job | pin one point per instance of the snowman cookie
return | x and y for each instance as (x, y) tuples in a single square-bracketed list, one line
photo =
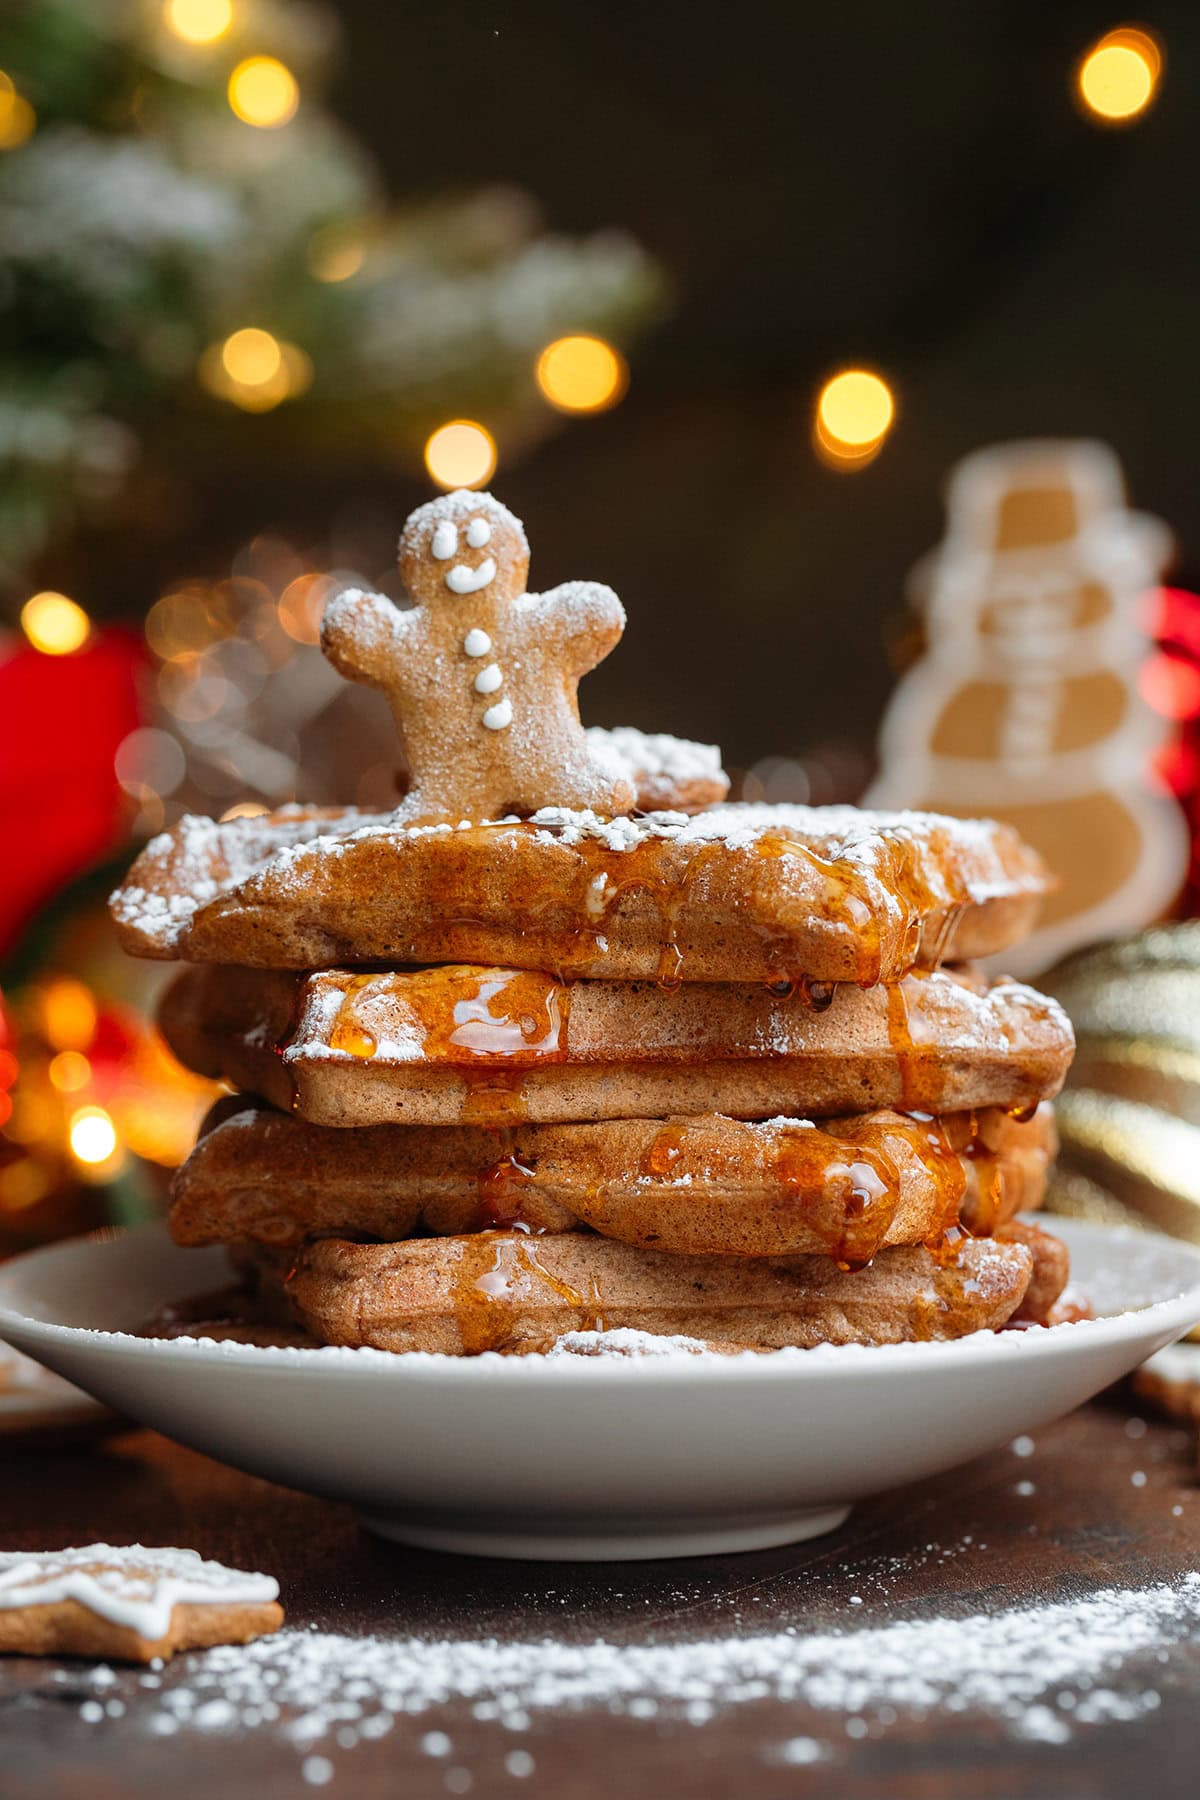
[(480, 675), (1025, 705)]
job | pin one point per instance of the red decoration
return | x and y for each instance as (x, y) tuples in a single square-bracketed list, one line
[(61, 721), (1170, 682)]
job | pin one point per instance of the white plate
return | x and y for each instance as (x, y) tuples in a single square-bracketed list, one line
[(598, 1457), (34, 1400)]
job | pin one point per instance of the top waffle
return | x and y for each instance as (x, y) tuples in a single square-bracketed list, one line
[(738, 893)]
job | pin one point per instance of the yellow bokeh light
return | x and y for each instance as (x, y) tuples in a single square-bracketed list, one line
[(199, 21), (67, 1013), (251, 356), (336, 252), (245, 809), (93, 1136), (581, 374), (263, 91), (69, 1071), (17, 117), (1118, 77), (54, 624), (855, 412), (255, 370), (461, 454)]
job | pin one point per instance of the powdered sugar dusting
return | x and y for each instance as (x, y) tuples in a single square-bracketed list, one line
[(625, 1342), (657, 758), (960, 859), (1040, 1673)]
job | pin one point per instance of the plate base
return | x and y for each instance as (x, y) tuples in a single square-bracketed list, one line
[(641, 1540)]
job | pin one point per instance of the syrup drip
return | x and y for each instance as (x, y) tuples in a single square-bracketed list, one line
[(348, 1033), (489, 1276), (918, 1066), (611, 875), (500, 1188), (665, 1150), (851, 1190)]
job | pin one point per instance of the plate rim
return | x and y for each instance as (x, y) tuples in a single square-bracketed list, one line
[(826, 1362)]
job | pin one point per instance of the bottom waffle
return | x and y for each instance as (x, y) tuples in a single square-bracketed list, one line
[(505, 1290), (698, 1186)]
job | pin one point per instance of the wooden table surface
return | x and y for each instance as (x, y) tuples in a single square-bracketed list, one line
[(975, 1541)]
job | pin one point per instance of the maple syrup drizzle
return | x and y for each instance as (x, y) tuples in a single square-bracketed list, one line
[(850, 1188), (348, 1034), (918, 1065), (487, 1297), (500, 1187)]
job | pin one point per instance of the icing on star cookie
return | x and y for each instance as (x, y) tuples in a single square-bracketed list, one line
[(128, 1601)]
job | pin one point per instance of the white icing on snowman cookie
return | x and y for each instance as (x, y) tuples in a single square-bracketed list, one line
[(129, 1586)]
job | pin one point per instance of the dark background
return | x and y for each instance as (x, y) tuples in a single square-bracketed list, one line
[(909, 186)]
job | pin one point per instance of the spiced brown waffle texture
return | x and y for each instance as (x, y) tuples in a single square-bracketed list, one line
[(512, 1066)]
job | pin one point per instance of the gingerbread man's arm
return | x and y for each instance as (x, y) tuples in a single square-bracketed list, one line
[(581, 620), (366, 638)]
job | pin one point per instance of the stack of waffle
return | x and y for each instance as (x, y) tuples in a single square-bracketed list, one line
[(722, 1073), (760, 1125)]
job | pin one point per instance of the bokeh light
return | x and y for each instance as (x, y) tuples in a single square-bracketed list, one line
[(255, 370), (581, 374), (1171, 685), (1119, 76), (263, 91), (251, 356), (199, 21), (67, 1013), (17, 117), (336, 252), (855, 411), (93, 1137), (461, 454), (54, 624), (69, 1071)]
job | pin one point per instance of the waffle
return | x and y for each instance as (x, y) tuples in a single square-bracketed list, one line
[(698, 1186), (496, 1290), (463, 1045), (737, 894)]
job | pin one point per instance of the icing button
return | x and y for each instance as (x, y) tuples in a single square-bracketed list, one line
[(476, 642), (489, 679), (497, 717)]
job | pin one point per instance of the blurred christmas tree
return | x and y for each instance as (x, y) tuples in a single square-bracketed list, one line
[(186, 233), (198, 268)]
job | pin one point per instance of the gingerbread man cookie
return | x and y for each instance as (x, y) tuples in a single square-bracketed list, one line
[(481, 676), (128, 1602)]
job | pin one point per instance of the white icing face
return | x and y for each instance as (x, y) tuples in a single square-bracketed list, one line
[(462, 580), (478, 533), (476, 642), (489, 679), (499, 717), (445, 540)]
